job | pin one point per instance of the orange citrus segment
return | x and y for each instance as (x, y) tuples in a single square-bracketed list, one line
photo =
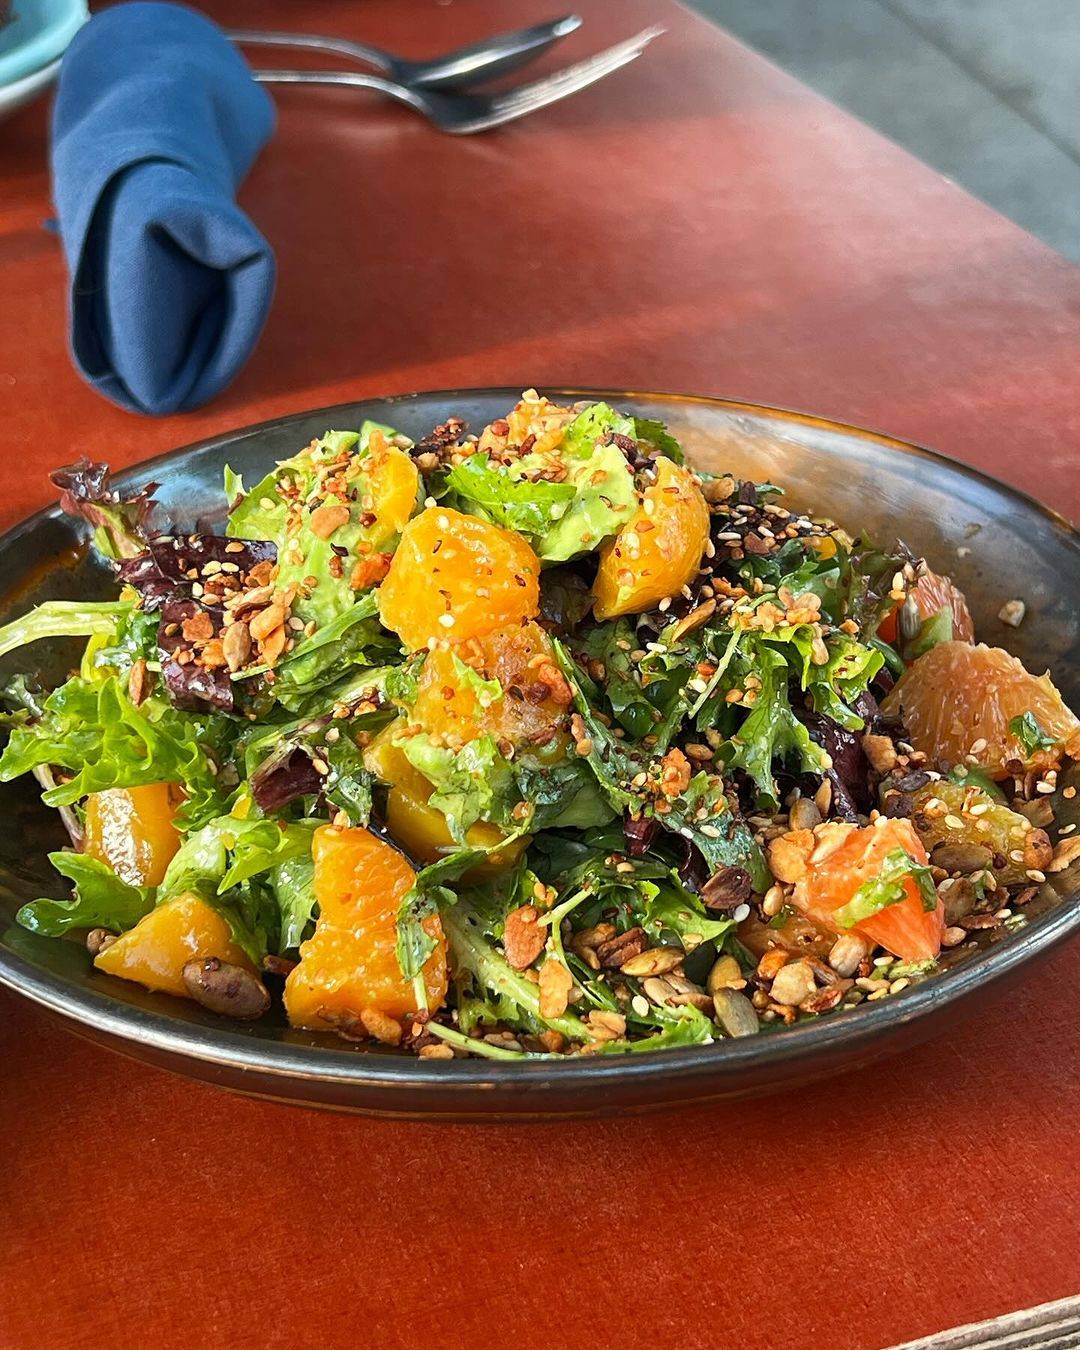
[(957, 701), (932, 593), (506, 684), (658, 551), (394, 485), (455, 577), (841, 860)]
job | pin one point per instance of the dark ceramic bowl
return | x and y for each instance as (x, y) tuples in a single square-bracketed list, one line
[(995, 541)]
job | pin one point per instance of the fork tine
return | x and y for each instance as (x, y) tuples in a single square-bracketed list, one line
[(527, 98)]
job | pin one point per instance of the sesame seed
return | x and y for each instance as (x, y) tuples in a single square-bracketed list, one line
[(1033, 874), (447, 620), (640, 1005), (741, 913)]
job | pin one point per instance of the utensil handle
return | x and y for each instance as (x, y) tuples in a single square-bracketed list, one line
[(353, 79), (358, 51)]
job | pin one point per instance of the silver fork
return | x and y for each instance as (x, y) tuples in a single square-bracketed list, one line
[(464, 114), (497, 55)]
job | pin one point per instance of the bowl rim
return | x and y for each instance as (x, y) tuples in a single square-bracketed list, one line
[(227, 1049)]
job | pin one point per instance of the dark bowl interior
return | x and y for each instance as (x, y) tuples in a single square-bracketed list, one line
[(997, 543)]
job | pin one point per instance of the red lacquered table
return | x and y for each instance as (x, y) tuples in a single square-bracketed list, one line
[(698, 223)]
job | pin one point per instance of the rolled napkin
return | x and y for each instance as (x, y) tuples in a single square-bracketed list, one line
[(157, 120)]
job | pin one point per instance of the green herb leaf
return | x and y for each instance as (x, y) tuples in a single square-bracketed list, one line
[(673, 909), (1030, 734), (102, 900), (293, 884), (656, 436), (887, 889), (63, 618), (722, 840), (95, 731), (471, 784), (474, 954), (531, 508)]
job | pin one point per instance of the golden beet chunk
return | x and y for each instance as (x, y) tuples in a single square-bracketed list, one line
[(156, 950), (348, 978), (422, 829), (131, 830), (455, 577), (658, 551)]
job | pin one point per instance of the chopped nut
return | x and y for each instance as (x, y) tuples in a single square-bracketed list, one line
[(821, 1000), (771, 963), (1067, 851), (789, 855), (606, 1026), (236, 645), (212, 655), (1038, 850), (792, 984), (555, 985), (656, 961), (324, 520), (675, 773), (847, 953), (436, 1050), (694, 619), (198, 628), (380, 1025), (1012, 612), (266, 621), (620, 948), (880, 751), (98, 939), (273, 646), (138, 683), (523, 936), (717, 489)]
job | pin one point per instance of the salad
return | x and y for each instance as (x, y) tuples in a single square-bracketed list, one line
[(528, 742)]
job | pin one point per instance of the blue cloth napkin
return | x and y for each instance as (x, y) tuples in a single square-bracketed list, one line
[(157, 120)]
